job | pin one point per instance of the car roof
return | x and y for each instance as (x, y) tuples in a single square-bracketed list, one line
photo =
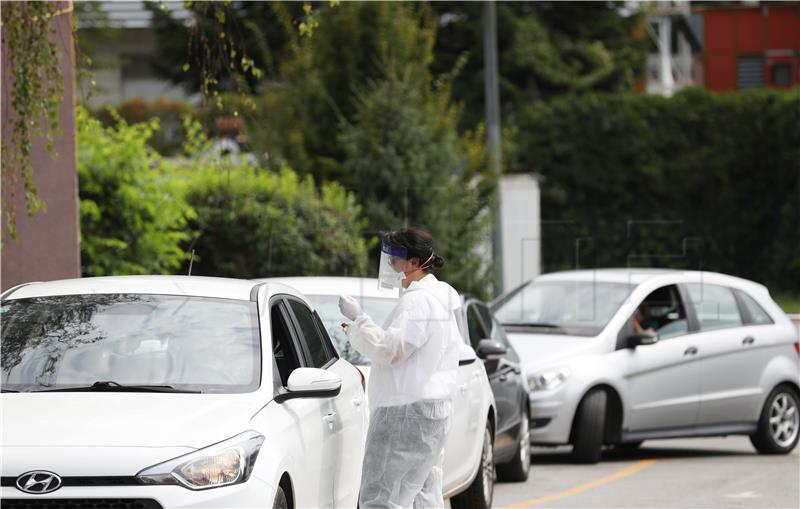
[(616, 275), (198, 286), (639, 276), (327, 285)]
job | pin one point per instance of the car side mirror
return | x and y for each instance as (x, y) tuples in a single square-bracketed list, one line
[(311, 383), (490, 350), (642, 339)]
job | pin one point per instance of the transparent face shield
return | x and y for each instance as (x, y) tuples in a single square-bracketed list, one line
[(390, 269)]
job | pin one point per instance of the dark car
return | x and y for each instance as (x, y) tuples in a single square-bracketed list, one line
[(512, 442)]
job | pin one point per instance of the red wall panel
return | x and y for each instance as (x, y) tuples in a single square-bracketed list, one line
[(749, 36), (784, 27), (719, 31), (721, 72)]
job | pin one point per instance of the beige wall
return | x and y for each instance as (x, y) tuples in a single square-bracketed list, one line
[(47, 245)]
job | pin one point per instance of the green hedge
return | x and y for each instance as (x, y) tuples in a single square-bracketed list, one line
[(696, 181), (142, 214), (255, 223)]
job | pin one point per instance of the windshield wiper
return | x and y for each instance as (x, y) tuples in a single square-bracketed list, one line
[(110, 386), (8, 390)]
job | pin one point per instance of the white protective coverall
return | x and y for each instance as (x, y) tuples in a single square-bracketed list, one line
[(411, 386)]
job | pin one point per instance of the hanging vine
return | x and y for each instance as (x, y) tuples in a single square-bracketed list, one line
[(35, 84)]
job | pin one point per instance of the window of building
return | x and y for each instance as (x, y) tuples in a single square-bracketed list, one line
[(781, 74), (750, 72)]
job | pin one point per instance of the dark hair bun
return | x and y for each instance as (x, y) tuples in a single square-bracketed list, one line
[(437, 262)]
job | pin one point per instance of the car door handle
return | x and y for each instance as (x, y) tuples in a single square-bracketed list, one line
[(503, 377), (749, 340), (356, 400), (328, 419), (691, 351)]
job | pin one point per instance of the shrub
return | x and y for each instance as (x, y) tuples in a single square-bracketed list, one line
[(256, 223), (132, 221)]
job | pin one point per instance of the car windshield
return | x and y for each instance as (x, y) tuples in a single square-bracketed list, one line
[(579, 308), (378, 308), (195, 344)]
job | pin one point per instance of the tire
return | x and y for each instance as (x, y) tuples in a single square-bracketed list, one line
[(590, 419), (280, 500), (779, 424), (480, 492), (518, 468)]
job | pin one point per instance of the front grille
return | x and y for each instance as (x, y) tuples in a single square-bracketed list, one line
[(81, 503), (85, 481)]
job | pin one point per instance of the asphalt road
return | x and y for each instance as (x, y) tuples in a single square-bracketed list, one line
[(690, 473)]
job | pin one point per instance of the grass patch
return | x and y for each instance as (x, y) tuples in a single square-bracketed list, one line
[(789, 303)]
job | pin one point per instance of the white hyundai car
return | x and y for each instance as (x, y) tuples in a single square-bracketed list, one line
[(469, 464), (619, 356), (173, 391)]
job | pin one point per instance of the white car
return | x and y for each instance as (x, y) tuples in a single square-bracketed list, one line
[(174, 391), (469, 467), (619, 356)]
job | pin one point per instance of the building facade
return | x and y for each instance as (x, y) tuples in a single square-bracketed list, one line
[(749, 46)]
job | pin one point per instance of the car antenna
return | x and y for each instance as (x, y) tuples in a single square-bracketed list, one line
[(191, 260)]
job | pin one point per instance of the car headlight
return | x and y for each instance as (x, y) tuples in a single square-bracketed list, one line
[(222, 464), (548, 380)]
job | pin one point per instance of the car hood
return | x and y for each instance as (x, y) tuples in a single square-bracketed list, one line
[(112, 419), (537, 351)]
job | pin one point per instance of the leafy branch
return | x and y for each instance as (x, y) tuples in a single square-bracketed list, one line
[(37, 87)]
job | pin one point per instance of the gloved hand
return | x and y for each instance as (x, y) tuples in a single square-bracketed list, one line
[(350, 307)]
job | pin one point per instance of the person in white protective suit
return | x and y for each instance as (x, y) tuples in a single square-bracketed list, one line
[(414, 367)]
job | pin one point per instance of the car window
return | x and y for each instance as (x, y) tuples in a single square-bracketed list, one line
[(580, 308), (662, 312), (477, 331), (191, 343), (378, 308), (496, 332), (283, 349), (757, 314), (312, 336), (715, 306)]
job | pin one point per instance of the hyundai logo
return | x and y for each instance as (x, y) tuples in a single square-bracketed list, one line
[(38, 482)]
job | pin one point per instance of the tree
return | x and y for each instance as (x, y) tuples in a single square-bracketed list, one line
[(545, 49), (221, 34), (413, 170)]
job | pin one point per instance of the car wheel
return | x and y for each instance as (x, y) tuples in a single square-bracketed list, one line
[(517, 469), (779, 425), (280, 500), (589, 427), (480, 492)]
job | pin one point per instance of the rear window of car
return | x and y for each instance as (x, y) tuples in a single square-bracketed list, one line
[(757, 315), (190, 343)]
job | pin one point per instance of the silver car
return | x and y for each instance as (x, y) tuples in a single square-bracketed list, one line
[(619, 356)]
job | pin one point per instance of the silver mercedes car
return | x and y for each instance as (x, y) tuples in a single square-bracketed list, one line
[(618, 356)]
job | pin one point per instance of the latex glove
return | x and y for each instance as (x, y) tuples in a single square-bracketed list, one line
[(350, 307)]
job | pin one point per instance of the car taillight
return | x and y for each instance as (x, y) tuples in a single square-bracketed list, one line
[(364, 380), (796, 349)]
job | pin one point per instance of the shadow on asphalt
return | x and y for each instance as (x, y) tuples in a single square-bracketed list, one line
[(563, 456)]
